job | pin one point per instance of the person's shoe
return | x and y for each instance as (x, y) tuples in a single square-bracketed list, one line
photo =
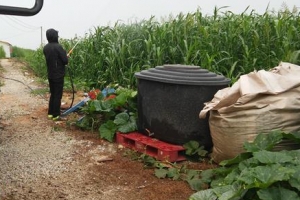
[(56, 118), (50, 116), (59, 118)]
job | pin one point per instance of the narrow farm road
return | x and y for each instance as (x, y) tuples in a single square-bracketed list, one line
[(43, 160)]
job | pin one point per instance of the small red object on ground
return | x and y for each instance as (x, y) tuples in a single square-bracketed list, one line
[(160, 150)]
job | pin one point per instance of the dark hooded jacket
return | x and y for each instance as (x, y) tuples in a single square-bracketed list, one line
[(56, 56)]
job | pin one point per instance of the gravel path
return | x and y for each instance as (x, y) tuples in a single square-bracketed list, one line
[(44, 160), (33, 150)]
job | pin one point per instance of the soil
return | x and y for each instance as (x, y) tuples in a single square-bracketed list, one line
[(41, 159)]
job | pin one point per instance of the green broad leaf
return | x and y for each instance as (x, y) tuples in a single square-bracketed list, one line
[(204, 195), (295, 180), (249, 163), (90, 107), (230, 195), (191, 174), (221, 190), (268, 157), (108, 130), (183, 169), (161, 173), (236, 160), (172, 172), (251, 194), (247, 177), (231, 177), (96, 105), (292, 136), (264, 141), (99, 106), (277, 193), (148, 160), (219, 176), (125, 126), (223, 171), (133, 94), (121, 99), (264, 176), (234, 191), (121, 118), (202, 152), (295, 154), (106, 106), (207, 175), (217, 182), (191, 147), (197, 184), (176, 176)]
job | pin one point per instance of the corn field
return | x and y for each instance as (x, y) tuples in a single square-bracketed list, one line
[(225, 43)]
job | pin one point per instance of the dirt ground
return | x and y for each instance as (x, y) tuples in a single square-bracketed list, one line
[(41, 159)]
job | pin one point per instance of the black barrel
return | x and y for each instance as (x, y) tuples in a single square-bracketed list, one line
[(170, 98)]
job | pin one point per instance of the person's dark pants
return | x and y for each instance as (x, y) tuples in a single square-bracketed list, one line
[(56, 91)]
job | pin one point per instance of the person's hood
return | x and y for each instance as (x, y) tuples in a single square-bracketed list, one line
[(52, 35)]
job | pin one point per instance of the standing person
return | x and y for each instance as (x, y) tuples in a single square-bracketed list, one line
[(56, 61)]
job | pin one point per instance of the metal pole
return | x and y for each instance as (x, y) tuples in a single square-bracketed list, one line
[(41, 36)]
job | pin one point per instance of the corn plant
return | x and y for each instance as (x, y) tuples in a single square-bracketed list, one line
[(225, 43)]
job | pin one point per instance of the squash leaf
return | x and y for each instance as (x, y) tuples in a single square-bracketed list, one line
[(268, 157), (204, 195), (161, 173), (125, 123), (264, 141), (108, 130), (277, 193)]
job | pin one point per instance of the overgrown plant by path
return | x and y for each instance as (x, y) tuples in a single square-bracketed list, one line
[(111, 113), (2, 52), (173, 170), (259, 173)]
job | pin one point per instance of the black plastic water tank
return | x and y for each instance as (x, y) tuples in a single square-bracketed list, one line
[(170, 98)]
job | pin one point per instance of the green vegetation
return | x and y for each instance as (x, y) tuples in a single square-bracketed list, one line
[(2, 52), (21, 53), (111, 113), (1, 81), (259, 173), (37, 62), (18, 52), (224, 43)]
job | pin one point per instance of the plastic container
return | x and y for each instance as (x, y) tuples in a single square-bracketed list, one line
[(170, 98)]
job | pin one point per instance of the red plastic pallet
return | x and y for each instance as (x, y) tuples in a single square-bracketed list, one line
[(151, 146)]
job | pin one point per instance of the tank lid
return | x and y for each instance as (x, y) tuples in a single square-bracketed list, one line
[(182, 74)]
